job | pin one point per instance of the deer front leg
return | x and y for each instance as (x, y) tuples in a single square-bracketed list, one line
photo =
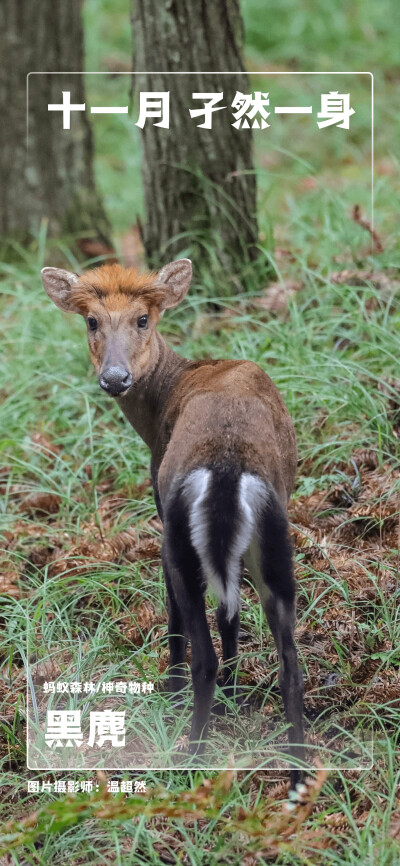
[(281, 615), (229, 630), (186, 584), (176, 636)]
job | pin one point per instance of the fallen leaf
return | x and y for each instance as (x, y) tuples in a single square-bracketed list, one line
[(41, 503), (275, 297), (132, 249), (92, 248), (8, 584), (43, 443)]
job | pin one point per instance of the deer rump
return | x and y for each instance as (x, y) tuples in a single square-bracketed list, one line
[(214, 517)]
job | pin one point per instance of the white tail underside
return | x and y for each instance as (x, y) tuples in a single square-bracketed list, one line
[(252, 495)]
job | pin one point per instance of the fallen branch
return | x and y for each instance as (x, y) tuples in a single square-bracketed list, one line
[(377, 245)]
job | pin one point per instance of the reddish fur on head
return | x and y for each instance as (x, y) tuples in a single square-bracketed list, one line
[(116, 300), (115, 287)]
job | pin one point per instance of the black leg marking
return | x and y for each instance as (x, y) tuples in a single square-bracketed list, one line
[(154, 480), (204, 674), (187, 582), (176, 636), (281, 618), (279, 606), (229, 631), (204, 660)]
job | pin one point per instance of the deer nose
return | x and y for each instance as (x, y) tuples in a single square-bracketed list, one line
[(115, 380)]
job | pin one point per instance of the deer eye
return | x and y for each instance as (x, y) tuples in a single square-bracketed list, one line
[(142, 322), (92, 323)]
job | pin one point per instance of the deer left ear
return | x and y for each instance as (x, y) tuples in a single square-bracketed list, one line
[(58, 284), (174, 279)]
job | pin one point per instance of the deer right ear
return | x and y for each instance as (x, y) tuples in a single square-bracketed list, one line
[(174, 280), (58, 284)]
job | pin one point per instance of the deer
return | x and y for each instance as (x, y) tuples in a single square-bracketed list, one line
[(223, 465)]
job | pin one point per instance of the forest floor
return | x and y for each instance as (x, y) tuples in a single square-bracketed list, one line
[(80, 539)]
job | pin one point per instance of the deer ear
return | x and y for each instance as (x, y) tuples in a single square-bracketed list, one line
[(58, 284), (174, 279)]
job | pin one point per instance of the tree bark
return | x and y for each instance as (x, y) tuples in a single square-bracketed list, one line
[(54, 179), (199, 185)]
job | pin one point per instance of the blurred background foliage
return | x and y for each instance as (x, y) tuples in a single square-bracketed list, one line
[(292, 153), (327, 332)]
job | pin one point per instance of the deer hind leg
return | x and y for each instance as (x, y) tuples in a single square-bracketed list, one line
[(270, 562), (281, 615), (177, 639), (204, 662), (229, 630), (188, 586), (222, 503)]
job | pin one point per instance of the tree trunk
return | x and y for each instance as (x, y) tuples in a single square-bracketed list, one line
[(54, 179), (199, 189)]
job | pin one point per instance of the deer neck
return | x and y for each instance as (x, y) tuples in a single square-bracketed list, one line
[(145, 402)]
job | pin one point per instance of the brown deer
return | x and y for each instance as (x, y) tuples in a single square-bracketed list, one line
[(223, 466)]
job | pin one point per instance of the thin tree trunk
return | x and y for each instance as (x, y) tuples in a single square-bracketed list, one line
[(199, 189), (55, 178)]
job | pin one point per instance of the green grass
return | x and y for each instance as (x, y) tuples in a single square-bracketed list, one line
[(331, 353), (62, 402)]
